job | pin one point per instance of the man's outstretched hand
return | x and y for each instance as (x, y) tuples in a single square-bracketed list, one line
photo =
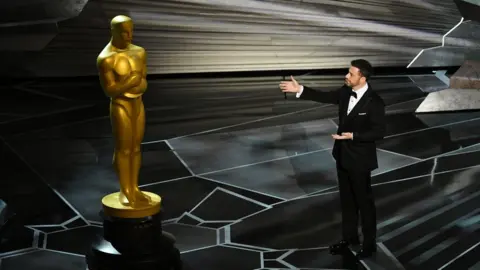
[(290, 86), (344, 136)]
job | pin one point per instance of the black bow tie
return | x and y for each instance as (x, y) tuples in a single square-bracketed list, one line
[(352, 93)]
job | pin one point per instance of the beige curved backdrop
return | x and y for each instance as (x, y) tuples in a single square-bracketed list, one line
[(187, 36)]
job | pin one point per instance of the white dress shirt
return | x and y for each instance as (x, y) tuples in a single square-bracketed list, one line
[(353, 101)]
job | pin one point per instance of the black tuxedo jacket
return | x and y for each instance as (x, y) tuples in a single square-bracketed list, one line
[(366, 121)]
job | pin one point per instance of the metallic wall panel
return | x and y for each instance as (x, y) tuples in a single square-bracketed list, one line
[(462, 43), (428, 83), (444, 56), (459, 44), (449, 100), (30, 25), (466, 34), (38, 11), (463, 94), (186, 36), (467, 76), (27, 37), (469, 9)]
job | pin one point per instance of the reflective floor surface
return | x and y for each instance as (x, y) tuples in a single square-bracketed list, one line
[(246, 176)]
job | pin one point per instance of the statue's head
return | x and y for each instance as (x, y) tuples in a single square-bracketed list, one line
[(122, 30)]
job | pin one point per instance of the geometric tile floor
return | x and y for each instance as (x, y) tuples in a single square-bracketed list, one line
[(246, 177)]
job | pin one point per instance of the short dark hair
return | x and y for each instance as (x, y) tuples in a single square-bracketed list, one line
[(364, 66)]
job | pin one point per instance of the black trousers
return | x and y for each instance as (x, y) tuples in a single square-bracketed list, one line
[(356, 200)]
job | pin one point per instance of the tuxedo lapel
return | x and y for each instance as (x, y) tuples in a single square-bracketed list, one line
[(344, 108)]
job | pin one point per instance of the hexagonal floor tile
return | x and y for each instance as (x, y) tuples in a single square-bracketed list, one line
[(44, 260), (76, 240)]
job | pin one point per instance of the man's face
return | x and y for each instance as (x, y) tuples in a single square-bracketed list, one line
[(354, 77)]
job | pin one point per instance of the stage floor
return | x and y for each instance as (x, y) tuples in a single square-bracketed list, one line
[(246, 176)]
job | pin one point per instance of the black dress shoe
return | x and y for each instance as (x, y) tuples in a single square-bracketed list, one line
[(366, 252), (342, 246)]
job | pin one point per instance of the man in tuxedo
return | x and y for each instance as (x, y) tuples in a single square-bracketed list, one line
[(361, 123)]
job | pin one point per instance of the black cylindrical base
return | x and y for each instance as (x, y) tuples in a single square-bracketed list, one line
[(129, 244)]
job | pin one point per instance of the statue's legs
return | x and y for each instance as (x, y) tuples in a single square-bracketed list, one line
[(122, 135), (136, 160)]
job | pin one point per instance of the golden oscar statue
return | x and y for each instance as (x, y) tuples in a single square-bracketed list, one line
[(132, 223), (122, 71)]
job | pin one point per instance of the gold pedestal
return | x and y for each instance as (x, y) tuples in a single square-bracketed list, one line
[(114, 208)]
